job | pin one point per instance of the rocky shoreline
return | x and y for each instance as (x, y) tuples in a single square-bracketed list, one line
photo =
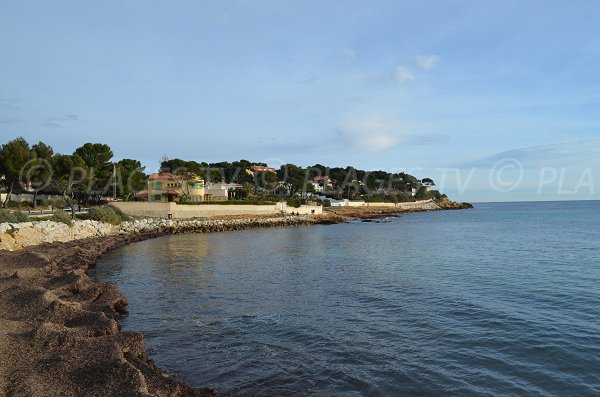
[(59, 329), (335, 215), (59, 332)]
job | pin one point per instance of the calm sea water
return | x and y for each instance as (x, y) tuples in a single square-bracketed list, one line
[(501, 300)]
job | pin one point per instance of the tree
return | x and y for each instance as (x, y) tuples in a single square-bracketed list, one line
[(173, 165), (14, 155), (70, 175), (293, 175), (188, 181), (423, 194), (97, 158), (41, 170), (130, 176), (427, 182), (266, 181)]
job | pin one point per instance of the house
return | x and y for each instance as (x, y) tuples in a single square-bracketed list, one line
[(167, 187), (220, 191), (255, 169), (322, 184), (142, 195)]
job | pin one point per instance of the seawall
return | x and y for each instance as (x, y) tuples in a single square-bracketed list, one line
[(186, 211)]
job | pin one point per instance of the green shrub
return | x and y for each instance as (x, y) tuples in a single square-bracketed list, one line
[(294, 202), (124, 216), (42, 203), (62, 217), (107, 214), (12, 217)]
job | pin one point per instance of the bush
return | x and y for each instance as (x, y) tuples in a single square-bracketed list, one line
[(294, 202), (124, 217), (12, 217), (107, 214), (62, 217)]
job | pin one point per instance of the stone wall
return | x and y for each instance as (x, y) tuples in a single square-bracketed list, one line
[(420, 204), (182, 211), (28, 197)]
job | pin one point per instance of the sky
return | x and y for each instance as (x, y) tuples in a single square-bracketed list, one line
[(494, 100)]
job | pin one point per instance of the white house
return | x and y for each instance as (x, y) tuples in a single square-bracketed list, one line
[(219, 191), (322, 184)]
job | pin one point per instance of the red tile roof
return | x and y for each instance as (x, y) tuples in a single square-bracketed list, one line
[(161, 176), (260, 168)]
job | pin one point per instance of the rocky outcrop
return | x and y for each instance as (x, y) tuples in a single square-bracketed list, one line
[(18, 235), (446, 204)]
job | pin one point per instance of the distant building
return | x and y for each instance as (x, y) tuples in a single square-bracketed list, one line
[(220, 191), (167, 187), (322, 184), (142, 195), (255, 169)]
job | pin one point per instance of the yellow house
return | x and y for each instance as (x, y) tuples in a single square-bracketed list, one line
[(166, 187)]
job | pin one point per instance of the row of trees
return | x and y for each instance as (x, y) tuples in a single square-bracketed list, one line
[(90, 173), (86, 174), (293, 180)]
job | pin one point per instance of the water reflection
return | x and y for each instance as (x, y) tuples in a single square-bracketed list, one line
[(449, 303)]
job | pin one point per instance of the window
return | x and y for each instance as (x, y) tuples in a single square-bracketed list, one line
[(157, 197), (157, 185)]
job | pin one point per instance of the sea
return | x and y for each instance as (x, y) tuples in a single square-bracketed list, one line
[(499, 300)]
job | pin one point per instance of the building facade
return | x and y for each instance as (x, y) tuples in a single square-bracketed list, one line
[(220, 191), (166, 187)]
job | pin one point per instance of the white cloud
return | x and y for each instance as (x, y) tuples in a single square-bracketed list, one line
[(402, 74), (427, 62), (368, 134)]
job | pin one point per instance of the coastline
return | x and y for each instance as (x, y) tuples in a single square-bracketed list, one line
[(59, 327)]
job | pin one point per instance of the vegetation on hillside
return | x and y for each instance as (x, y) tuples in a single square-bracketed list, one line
[(89, 175)]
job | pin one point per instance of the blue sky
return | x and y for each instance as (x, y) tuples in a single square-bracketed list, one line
[(445, 89)]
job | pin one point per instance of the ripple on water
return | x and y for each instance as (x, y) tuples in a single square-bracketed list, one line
[(486, 302)]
